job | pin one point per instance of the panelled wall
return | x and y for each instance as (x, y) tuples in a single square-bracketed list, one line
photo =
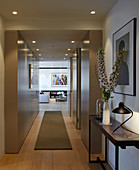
[(90, 90), (95, 38), (21, 102), (77, 88), (1, 87), (69, 88), (85, 92)]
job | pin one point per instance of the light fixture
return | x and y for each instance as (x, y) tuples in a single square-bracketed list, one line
[(37, 49), (20, 42), (64, 58), (39, 54), (93, 12), (24, 49), (84, 49), (86, 42), (75, 55), (31, 55), (14, 12), (72, 42), (41, 58), (68, 49), (122, 109), (33, 42), (66, 54)]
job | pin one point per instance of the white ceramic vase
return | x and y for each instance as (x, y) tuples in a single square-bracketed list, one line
[(106, 114)]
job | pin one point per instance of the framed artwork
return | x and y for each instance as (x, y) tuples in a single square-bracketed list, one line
[(30, 76), (125, 39), (59, 79)]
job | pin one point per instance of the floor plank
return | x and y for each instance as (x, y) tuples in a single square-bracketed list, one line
[(30, 159)]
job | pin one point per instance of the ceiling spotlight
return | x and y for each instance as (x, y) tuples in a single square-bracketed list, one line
[(39, 54), (14, 12), (93, 12), (33, 42), (37, 49), (41, 58), (66, 54), (72, 42), (68, 49)]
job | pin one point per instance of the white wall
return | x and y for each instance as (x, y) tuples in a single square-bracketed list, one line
[(45, 79), (58, 63), (121, 13), (45, 74), (1, 87)]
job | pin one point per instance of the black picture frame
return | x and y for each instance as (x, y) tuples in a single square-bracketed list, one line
[(125, 38)]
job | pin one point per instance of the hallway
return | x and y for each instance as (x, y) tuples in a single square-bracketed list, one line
[(30, 159), (57, 31)]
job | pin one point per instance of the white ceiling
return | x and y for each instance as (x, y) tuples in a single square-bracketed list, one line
[(53, 14), (54, 9), (53, 44)]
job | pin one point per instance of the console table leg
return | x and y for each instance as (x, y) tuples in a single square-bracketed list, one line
[(106, 150), (116, 157), (89, 141)]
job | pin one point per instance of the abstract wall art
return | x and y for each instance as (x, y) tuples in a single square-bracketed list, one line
[(59, 79)]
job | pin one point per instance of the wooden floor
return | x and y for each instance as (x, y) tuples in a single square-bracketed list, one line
[(30, 159)]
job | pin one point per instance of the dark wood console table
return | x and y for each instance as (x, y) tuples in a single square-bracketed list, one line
[(121, 138)]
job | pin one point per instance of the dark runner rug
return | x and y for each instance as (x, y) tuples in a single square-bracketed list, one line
[(53, 134)]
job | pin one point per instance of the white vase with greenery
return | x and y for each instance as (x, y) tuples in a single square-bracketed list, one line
[(106, 85)]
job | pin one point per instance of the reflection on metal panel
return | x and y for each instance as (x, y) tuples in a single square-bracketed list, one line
[(77, 88)]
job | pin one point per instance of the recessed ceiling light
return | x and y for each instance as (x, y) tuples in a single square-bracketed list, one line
[(33, 42), (37, 49), (93, 12), (39, 54), (66, 54), (68, 49), (72, 42), (41, 58), (14, 12)]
